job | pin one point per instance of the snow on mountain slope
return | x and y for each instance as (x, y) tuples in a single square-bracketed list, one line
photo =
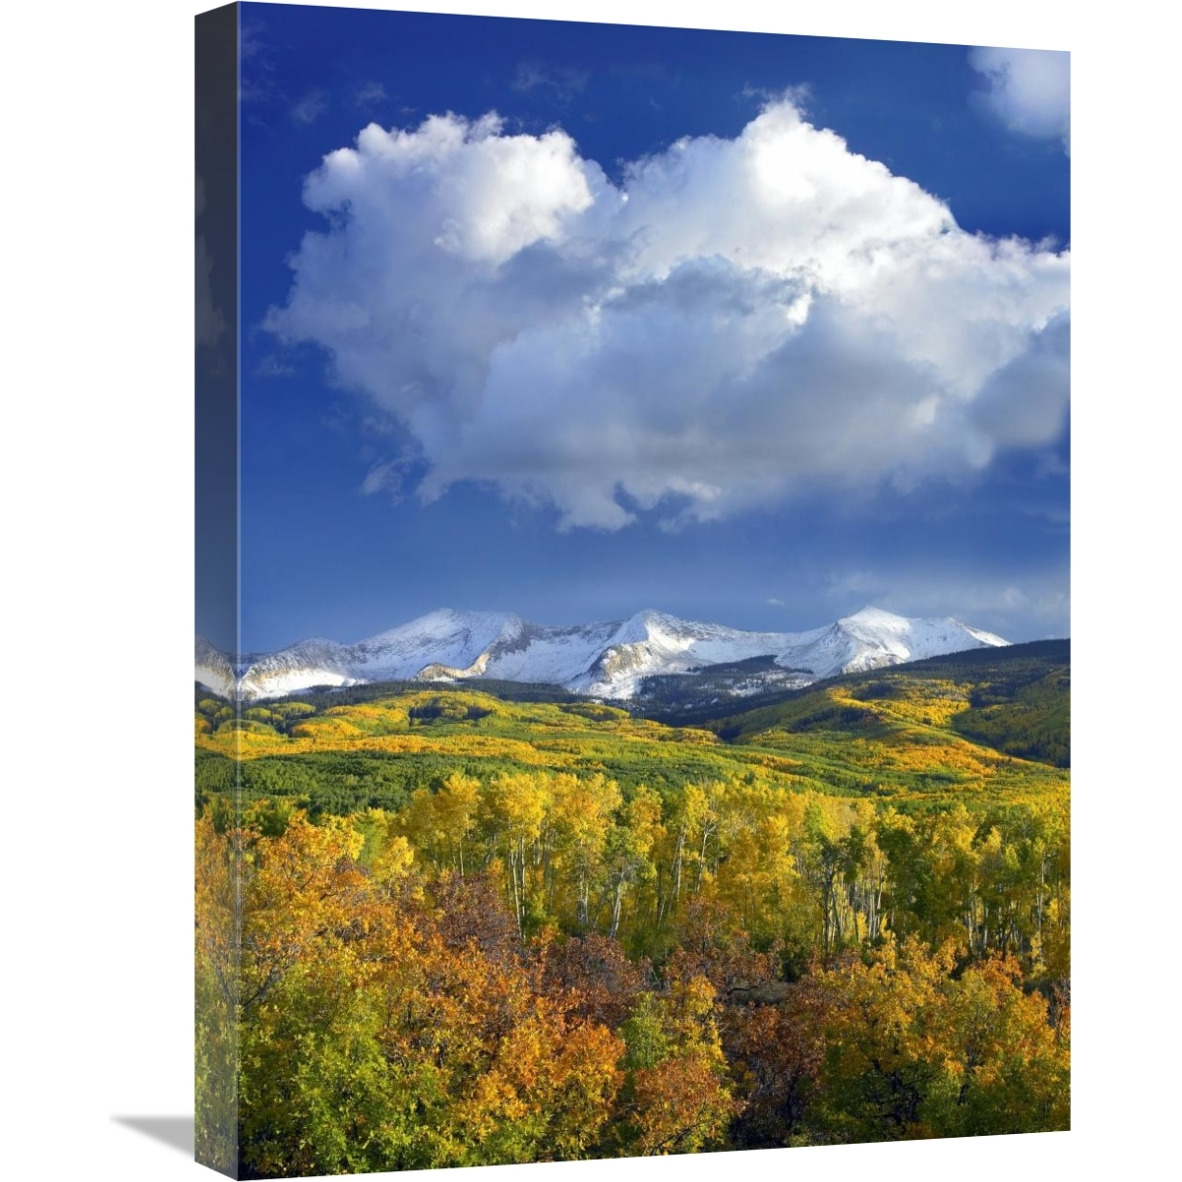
[(912, 640), (444, 643), (607, 660), (212, 668), (552, 655), (873, 638), (652, 643)]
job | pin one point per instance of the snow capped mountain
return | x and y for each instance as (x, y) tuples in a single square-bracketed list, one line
[(607, 660), (876, 633), (442, 644), (214, 669)]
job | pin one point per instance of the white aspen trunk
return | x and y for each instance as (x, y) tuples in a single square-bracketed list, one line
[(616, 907)]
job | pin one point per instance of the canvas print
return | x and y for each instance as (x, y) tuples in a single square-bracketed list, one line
[(633, 671)]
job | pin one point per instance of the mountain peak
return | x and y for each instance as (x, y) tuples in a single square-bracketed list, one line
[(452, 615), (875, 616), (655, 619)]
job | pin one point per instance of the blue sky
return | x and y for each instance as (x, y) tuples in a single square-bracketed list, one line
[(652, 336)]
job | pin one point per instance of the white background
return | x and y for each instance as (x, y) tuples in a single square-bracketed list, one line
[(95, 460)]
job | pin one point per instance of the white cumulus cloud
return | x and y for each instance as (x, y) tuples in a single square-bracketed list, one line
[(1029, 89), (736, 320)]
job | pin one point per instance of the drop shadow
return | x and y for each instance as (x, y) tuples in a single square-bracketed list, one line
[(174, 1131)]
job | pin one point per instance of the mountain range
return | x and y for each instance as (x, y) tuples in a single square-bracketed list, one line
[(607, 660)]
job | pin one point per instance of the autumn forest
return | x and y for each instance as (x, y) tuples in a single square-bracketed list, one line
[(465, 924)]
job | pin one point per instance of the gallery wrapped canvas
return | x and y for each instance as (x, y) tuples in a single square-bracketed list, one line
[(632, 675)]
